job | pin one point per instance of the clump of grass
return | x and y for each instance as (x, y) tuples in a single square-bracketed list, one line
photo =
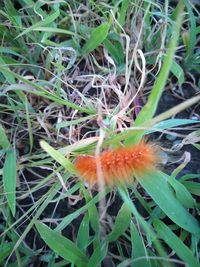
[(77, 78)]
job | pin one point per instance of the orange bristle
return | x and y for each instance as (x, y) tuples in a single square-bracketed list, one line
[(119, 165)]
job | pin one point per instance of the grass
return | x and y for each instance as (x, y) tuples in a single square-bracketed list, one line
[(79, 77)]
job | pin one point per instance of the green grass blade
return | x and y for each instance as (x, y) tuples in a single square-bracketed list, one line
[(178, 72), (122, 14), (4, 143), (5, 249), (98, 255), (175, 243), (122, 221), (138, 249), (40, 91), (158, 188), (83, 233), (191, 35), (148, 111), (182, 194), (62, 245), (97, 37), (151, 235), (171, 123), (44, 22), (9, 179), (8, 76), (57, 156), (193, 187)]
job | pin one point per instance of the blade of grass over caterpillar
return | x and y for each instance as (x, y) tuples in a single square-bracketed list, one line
[(159, 189), (63, 246), (175, 243), (57, 156), (149, 109)]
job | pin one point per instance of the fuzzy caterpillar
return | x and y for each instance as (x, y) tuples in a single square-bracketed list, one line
[(118, 165)]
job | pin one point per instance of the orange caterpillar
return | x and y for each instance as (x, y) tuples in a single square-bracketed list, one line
[(119, 165)]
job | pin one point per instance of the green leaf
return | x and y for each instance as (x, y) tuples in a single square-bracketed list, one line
[(98, 255), (193, 187), (5, 249), (115, 50), (46, 21), (9, 179), (8, 76), (57, 156), (178, 72), (145, 225), (83, 233), (171, 123), (122, 221), (175, 243), (98, 35), (122, 14), (148, 111), (197, 146), (62, 245), (4, 143), (192, 38), (138, 249), (182, 194), (157, 187)]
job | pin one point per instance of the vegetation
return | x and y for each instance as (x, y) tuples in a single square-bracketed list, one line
[(78, 77)]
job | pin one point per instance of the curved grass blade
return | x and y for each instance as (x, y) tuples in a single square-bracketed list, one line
[(62, 245)]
